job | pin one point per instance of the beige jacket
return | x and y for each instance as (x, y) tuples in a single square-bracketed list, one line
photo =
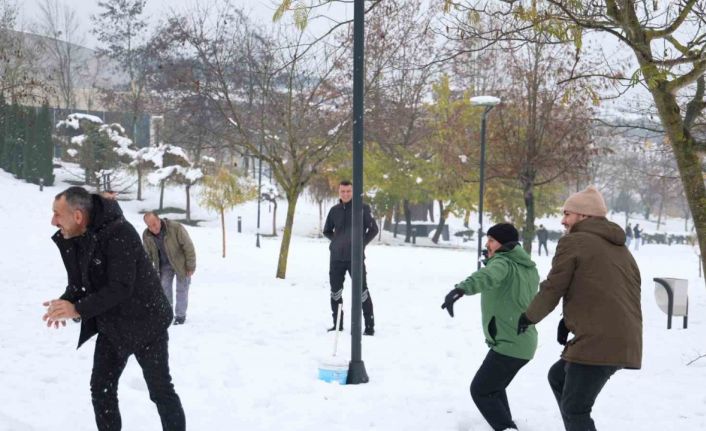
[(180, 249)]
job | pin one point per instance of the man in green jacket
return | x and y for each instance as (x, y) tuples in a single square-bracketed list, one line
[(172, 253), (507, 285), (597, 279)]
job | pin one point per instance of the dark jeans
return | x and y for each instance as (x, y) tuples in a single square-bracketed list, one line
[(336, 274), (576, 387), (108, 365), (488, 388), (543, 244)]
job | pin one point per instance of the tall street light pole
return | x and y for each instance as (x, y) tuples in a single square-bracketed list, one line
[(356, 368), (488, 102), (259, 193)]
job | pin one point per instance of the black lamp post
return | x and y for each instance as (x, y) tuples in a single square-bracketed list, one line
[(259, 193), (488, 102), (356, 368)]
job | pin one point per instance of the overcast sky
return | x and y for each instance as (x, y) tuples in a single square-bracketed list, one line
[(260, 11)]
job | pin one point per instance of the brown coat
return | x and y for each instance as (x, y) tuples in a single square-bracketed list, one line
[(599, 282)]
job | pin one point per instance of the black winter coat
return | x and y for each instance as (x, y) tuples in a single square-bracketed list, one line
[(338, 229), (112, 282)]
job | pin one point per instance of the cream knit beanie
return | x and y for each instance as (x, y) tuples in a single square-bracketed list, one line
[(587, 202)]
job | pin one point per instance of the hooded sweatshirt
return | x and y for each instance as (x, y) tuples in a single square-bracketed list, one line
[(506, 285)]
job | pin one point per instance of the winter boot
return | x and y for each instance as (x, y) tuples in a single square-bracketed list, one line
[(179, 320), (340, 324), (369, 325)]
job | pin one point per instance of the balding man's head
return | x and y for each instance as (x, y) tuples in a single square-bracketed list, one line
[(153, 222)]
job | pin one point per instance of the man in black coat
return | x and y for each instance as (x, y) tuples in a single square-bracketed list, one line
[(338, 230), (542, 236), (115, 292)]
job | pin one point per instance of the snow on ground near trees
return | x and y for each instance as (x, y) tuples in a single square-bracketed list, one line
[(247, 357)]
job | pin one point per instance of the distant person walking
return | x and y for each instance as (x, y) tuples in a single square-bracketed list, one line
[(172, 253), (628, 235), (637, 233), (542, 236), (338, 230)]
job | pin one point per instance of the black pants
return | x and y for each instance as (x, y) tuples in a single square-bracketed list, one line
[(576, 387), (108, 365), (336, 274), (543, 244), (488, 388)]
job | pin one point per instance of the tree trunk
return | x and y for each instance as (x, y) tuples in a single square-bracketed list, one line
[(161, 195), (466, 218), (321, 217), (659, 213), (397, 219), (408, 221), (188, 203), (688, 161), (139, 182), (528, 231), (223, 230), (274, 218), (442, 222), (287, 235)]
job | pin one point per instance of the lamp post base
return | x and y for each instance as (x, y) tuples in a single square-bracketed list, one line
[(356, 373)]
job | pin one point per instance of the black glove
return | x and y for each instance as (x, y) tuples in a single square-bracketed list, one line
[(452, 297), (562, 333), (523, 323)]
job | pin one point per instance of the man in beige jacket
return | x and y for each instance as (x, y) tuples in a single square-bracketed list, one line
[(171, 251), (597, 279)]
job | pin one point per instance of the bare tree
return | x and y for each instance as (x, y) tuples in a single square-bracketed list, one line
[(19, 71), (543, 131), (666, 39), (278, 104), (59, 24), (122, 28)]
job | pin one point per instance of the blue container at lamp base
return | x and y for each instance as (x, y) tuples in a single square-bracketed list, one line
[(333, 373)]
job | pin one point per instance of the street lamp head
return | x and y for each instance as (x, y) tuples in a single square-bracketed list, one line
[(488, 101)]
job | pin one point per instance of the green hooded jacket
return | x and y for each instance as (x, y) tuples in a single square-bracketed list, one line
[(507, 285)]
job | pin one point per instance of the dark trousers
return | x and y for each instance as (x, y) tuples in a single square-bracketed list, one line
[(488, 388), (576, 387), (336, 274), (543, 244), (108, 365)]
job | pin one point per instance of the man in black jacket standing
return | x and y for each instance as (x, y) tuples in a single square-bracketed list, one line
[(115, 291), (338, 230)]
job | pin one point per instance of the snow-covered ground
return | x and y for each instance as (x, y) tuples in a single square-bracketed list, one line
[(248, 355)]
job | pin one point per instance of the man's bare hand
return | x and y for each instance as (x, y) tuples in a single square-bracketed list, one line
[(58, 311), (190, 273)]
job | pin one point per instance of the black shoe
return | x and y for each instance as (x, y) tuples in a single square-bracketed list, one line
[(179, 320), (369, 331), (333, 328)]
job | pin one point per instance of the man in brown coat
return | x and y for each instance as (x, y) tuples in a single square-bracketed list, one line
[(599, 282), (172, 253)]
